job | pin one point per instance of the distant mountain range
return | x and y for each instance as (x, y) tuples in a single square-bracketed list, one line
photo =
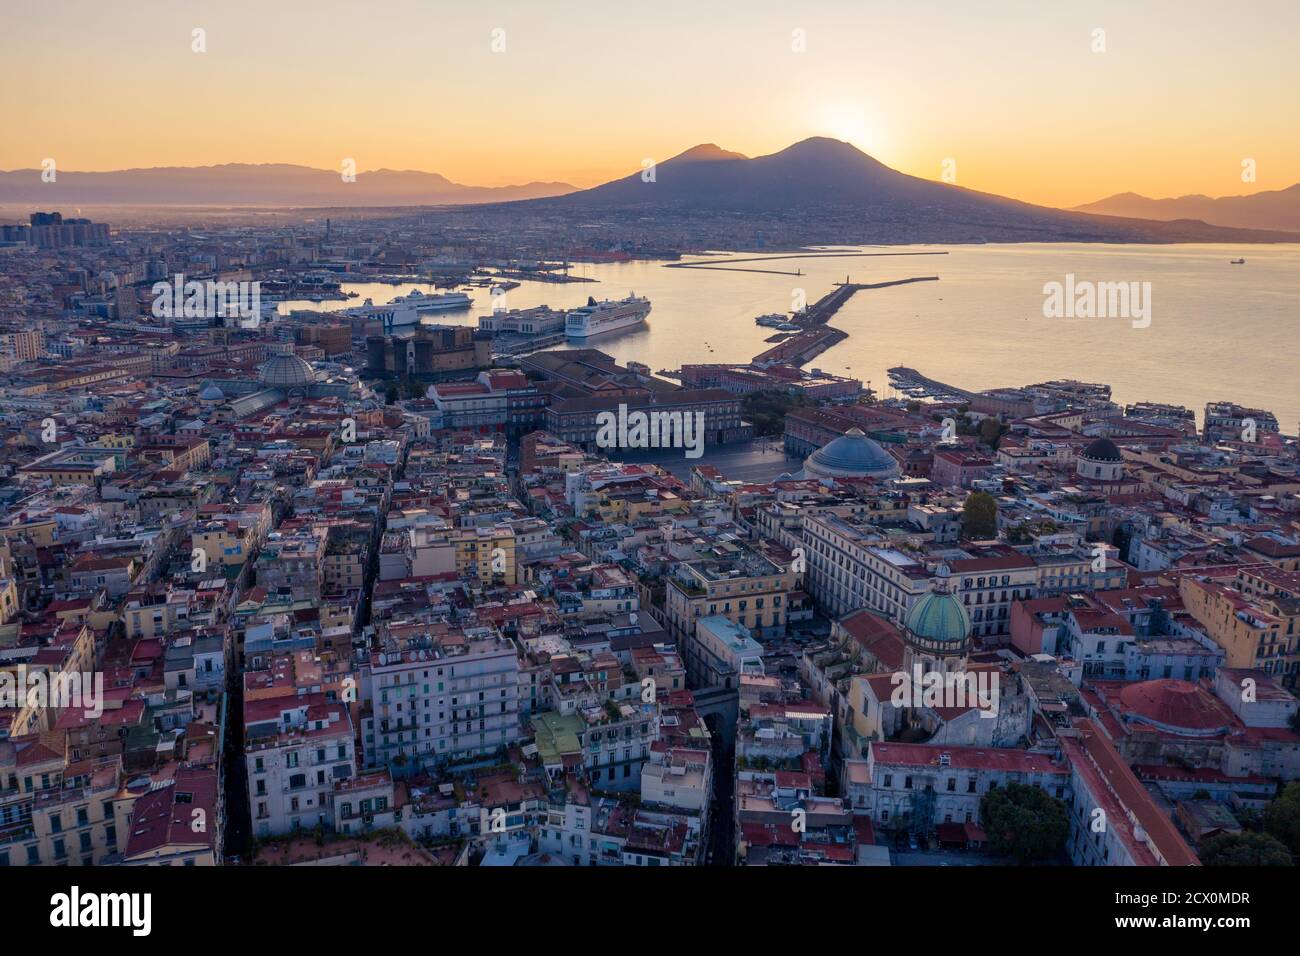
[(823, 180), (1275, 209), (244, 184), (816, 191)]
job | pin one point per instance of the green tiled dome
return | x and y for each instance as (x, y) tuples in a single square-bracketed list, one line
[(938, 617)]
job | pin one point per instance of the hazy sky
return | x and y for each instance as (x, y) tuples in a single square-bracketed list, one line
[(1012, 92)]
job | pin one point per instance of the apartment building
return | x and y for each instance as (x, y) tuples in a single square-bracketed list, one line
[(20, 345), (222, 541), (734, 582), (987, 584), (180, 823), (434, 697), (296, 748), (52, 816), (852, 566), (485, 554), (1250, 616)]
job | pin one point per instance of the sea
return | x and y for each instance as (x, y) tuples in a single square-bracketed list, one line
[(1199, 328)]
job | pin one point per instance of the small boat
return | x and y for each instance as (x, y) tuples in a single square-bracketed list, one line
[(1236, 262)]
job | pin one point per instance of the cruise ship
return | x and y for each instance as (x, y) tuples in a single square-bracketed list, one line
[(597, 318), (426, 302), (402, 312)]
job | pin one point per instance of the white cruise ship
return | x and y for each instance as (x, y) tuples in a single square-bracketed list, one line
[(402, 312), (425, 302), (597, 318)]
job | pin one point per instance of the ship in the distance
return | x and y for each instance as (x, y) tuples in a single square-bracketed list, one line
[(433, 302), (597, 318), (403, 311)]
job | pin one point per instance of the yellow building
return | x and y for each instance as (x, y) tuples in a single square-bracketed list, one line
[(734, 582), (41, 533), (115, 441), (59, 816), (9, 605), (622, 507), (1256, 630), (486, 554), (223, 542), (72, 466)]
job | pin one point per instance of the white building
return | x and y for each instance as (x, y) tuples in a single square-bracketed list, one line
[(439, 697), (296, 749), (944, 784)]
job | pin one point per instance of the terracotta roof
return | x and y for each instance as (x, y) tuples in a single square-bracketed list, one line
[(1175, 704)]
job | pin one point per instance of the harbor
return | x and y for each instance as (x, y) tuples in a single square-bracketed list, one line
[(917, 386), (821, 311)]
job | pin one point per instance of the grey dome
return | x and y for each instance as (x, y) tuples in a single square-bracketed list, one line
[(212, 394), (287, 370), (1103, 449), (852, 455)]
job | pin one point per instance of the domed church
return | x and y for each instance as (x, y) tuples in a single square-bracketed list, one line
[(852, 455), (1101, 461), (936, 630)]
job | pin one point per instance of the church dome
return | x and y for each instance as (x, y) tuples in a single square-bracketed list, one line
[(287, 370), (1103, 449), (1101, 461), (212, 394), (938, 618), (852, 455), (1175, 706)]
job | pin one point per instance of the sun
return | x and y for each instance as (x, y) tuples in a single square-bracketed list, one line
[(849, 123)]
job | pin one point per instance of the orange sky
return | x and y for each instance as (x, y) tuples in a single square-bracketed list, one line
[(1011, 92)]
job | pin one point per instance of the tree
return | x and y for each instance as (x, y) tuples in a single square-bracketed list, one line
[(1121, 540), (1024, 822), (1282, 817), (766, 409), (991, 432), (979, 515), (1244, 849)]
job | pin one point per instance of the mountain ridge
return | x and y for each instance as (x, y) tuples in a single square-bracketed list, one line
[(265, 184), (821, 180), (1267, 209)]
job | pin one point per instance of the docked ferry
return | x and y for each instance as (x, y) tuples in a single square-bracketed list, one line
[(597, 318), (426, 302), (403, 312)]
